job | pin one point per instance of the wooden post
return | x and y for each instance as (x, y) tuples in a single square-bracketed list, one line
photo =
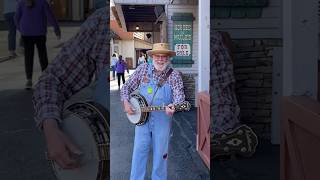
[(300, 39), (204, 45)]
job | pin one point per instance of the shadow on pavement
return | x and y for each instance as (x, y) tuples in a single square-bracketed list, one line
[(264, 165), (21, 144)]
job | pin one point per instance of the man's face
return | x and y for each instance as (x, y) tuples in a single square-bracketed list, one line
[(160, 61)]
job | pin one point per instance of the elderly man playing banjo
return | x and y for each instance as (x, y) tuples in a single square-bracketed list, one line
[(156, 129)]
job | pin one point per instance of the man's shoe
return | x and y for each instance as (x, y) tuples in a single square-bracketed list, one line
[(28, 85)]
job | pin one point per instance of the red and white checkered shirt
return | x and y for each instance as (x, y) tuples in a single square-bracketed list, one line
[(84, 55), (174, 81), (224, 106)]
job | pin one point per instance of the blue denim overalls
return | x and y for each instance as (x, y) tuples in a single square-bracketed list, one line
[(101, 92), (156, 131)]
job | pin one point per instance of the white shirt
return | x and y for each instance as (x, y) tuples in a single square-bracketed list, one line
[(141, 60), (114, 61)]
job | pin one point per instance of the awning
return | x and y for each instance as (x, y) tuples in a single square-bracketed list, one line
[(139, 18)]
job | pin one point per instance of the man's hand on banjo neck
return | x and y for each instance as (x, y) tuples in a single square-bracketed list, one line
[(170, 109), (59, 146)]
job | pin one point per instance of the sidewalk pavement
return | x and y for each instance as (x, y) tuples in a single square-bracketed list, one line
[(264, 165), (184, 162)]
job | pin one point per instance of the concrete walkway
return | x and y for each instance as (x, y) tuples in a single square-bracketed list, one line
[(184, 162)]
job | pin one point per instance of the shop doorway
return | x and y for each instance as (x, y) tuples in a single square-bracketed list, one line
[(62, 9), (141, 51)]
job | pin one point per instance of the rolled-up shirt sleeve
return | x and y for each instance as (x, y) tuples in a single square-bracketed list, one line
[(133, 82), (71, 70), (176, 83)]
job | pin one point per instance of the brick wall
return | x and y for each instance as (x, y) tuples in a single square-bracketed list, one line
[(253, 73), (189, 87)]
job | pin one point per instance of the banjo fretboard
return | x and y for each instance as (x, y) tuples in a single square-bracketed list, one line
[(153, 108), (185, 106)]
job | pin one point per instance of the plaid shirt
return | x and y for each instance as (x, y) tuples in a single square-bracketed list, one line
[(224, 106), (174, 80), (84, 55)]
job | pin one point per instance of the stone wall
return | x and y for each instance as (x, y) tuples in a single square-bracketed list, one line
[(253, 72)]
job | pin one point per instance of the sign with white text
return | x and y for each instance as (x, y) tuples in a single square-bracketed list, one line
[(182, 40)]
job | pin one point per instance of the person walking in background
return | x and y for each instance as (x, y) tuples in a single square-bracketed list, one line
[(114, 61), (8, 13), (31, 20), (149, 61), (121, 66), (141, 59)]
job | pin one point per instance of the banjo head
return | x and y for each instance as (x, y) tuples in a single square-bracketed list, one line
[(87, 126), (78, 131), (135, 118), (138, 102)]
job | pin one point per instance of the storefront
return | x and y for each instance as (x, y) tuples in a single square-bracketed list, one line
[(177, 23)]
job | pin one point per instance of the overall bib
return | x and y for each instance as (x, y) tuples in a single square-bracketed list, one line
[(155, 131)]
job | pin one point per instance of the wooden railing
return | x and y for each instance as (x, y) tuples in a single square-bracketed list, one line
[(203, 130), (300, 139)]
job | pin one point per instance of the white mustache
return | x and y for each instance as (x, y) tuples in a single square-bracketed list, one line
[(160, 67)]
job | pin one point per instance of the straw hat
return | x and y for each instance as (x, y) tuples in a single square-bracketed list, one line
[(161, 48)]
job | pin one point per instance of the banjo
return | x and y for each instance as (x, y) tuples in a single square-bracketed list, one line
[(87, 125), (142, 110)]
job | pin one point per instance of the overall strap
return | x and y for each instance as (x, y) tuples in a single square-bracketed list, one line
[(161, 82), (164, 79), (150, 71)]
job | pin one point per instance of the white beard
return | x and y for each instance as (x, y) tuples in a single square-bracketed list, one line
[(160, 68)]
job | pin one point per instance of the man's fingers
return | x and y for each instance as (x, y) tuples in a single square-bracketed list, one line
[(170, 110), (62, 161), (66, 162), (73, 148), (64, 158), (130, 112)]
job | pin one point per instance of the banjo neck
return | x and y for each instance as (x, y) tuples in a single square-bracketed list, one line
[(153, 108), (185, 106)]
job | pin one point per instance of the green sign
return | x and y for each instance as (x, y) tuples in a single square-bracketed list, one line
[(182, 40), (237, 8)]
